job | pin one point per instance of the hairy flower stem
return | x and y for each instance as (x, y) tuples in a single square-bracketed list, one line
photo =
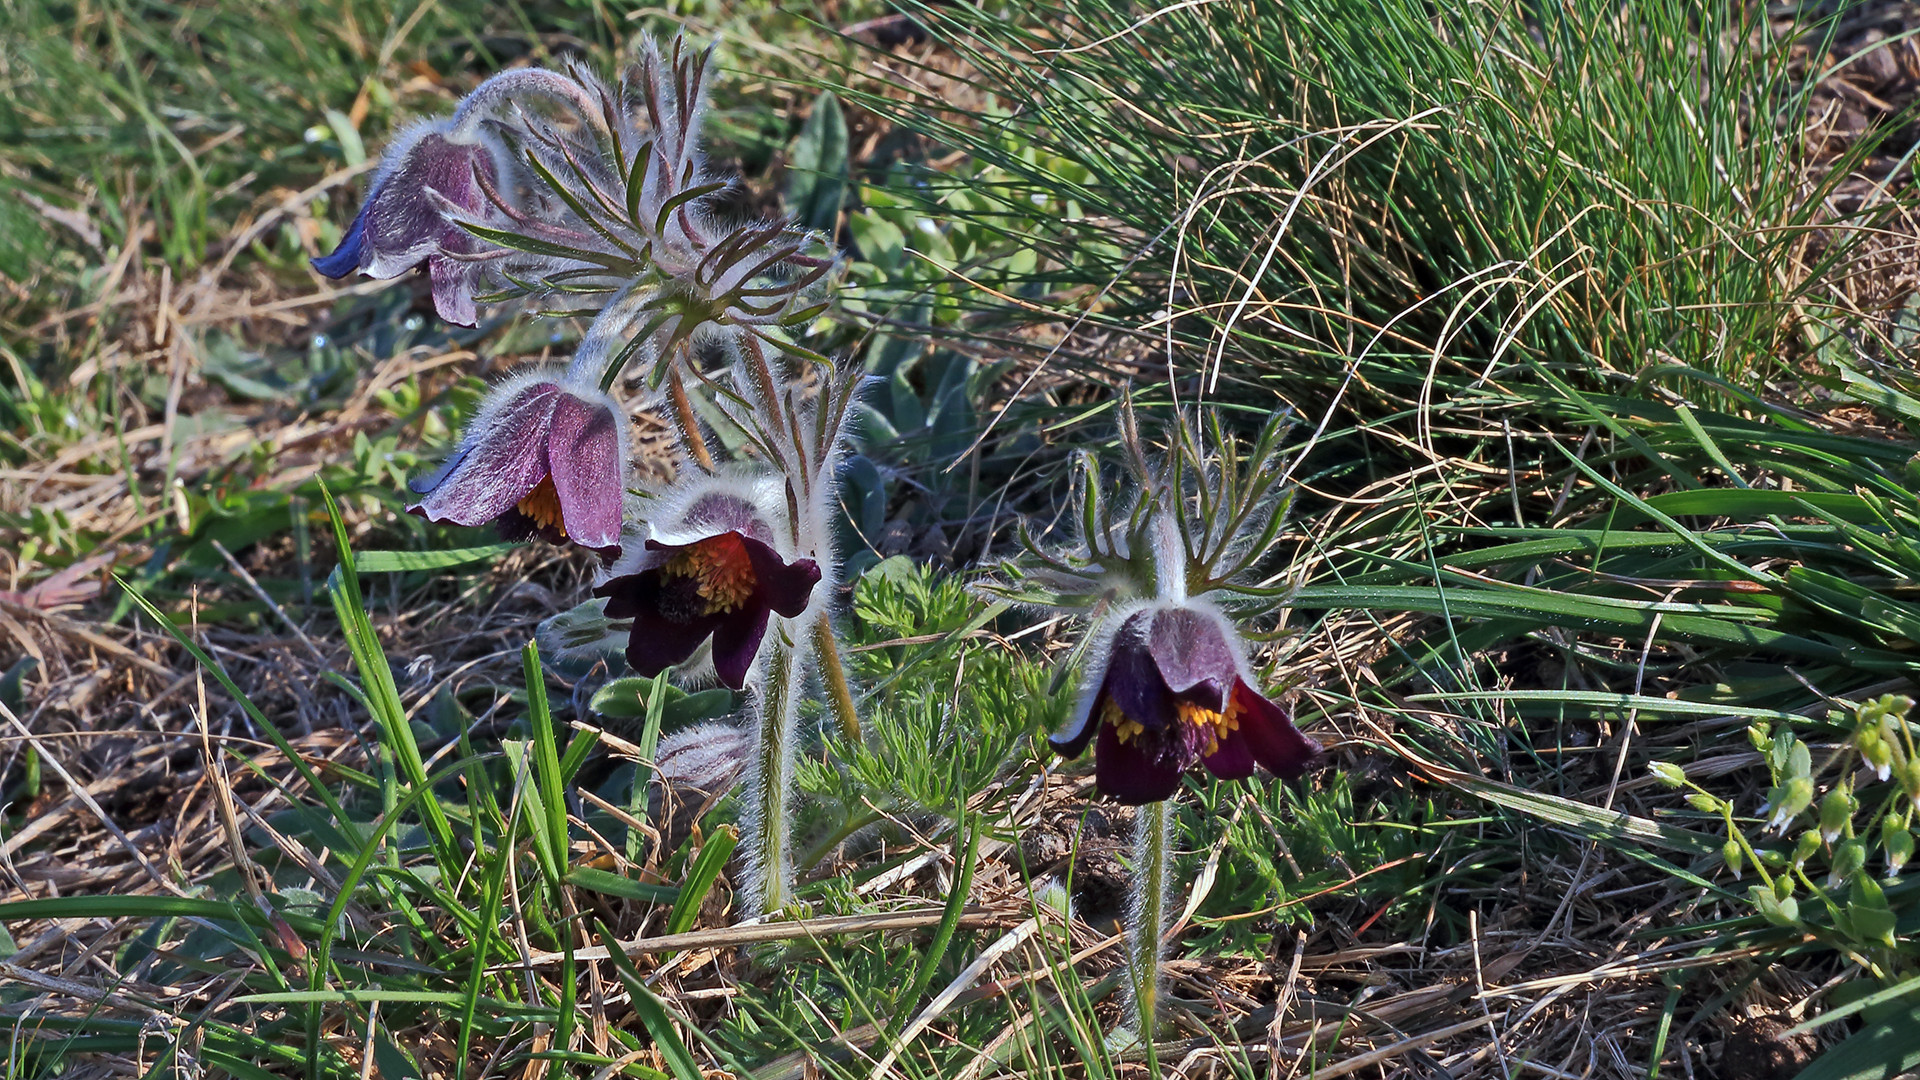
[(834, 674), (1146, 914), (778, 417), (689, 423), (770, 861)]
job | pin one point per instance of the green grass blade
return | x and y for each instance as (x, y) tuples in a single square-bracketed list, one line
[(545, 755), (714, 853), (965, 852), (387, 562), (383, 696), (652, 1011), (1878, 1051), (602, 881)]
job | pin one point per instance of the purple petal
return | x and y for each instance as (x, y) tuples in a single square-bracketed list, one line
[(1271, 736), (785, 587), (1071, 742), (1133, 678), (630, 594), (1128, 776), (735, 643), (584, 452), (405, 225), (1194, 658), (453, 288), (498, 465), (656, 642), (1233, 760), (420, 485), (345, 259), (718, 511)]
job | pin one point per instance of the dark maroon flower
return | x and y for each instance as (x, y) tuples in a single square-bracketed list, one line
[(1170, 695), (724, 585), (542, 457), (400, 225)]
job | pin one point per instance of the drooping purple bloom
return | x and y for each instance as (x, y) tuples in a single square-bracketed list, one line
[(724, 585), (1170, 694), (400, 224), (544, 456)]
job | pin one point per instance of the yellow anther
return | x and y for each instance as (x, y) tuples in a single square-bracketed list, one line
[(721, 570), (1123, 724), (1214, 725), (542, 506)]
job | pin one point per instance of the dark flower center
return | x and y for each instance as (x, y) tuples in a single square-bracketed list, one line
[(542, 506), (707, 577), (1195, 732)]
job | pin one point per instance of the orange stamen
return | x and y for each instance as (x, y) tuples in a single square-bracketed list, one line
[(721, 570), (1214, 725), (542, 506)]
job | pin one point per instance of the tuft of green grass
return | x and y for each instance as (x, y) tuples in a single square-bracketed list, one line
[(1283, 195)]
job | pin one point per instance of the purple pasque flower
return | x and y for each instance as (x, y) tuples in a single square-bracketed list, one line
[(1168, 691), (546, 455), (401, 224), (724, 581)]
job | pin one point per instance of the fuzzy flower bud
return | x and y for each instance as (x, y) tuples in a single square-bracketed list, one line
[(1875, 751), (546, 455), (1668, 773), (1168, 690), (401, 225), (1805, 847), (1787, 801), (1907, 775), (1703, 802)]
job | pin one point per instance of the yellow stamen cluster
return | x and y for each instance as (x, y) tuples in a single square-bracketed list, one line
[(1214, 725), (1127, 727), (721, 571), (542, 506)]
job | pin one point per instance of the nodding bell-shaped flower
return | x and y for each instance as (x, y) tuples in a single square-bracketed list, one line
[(401, 224), (717, 575), (1169, 690), (546, 455)]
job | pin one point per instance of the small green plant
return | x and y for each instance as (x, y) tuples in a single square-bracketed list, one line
[(1835, 832)]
